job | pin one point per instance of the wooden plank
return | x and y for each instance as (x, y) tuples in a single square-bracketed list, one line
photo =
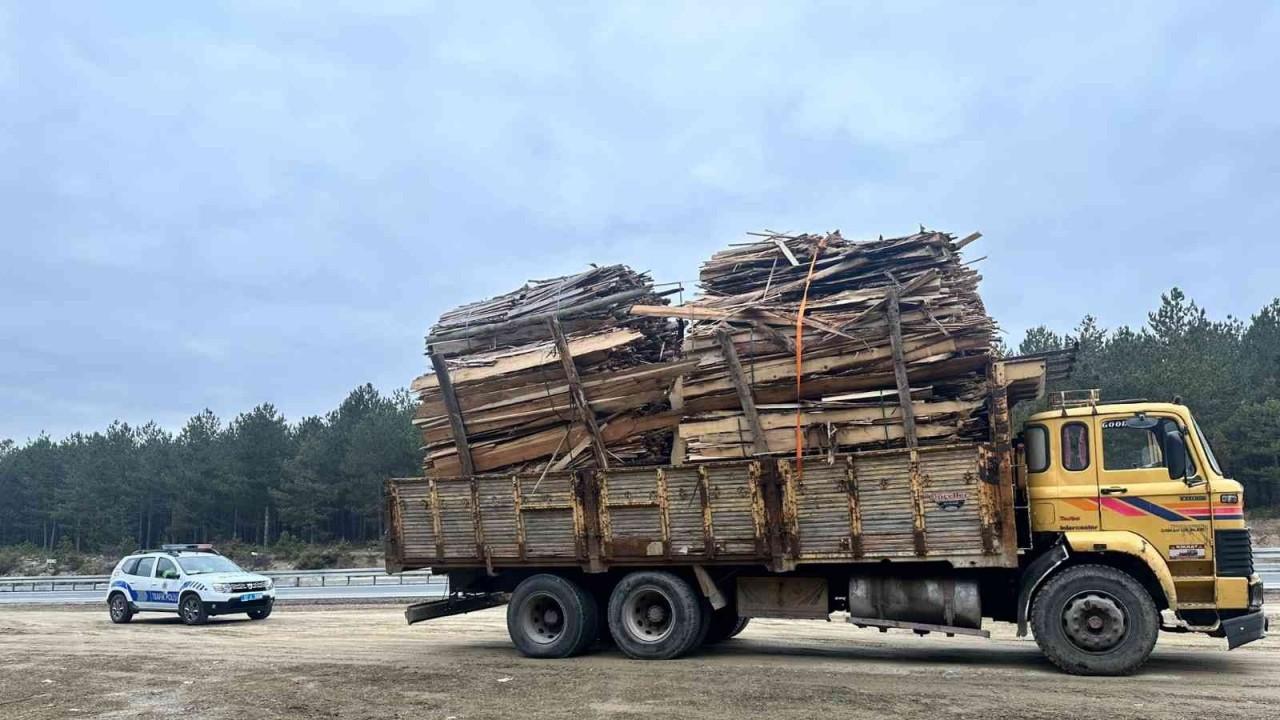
[(900, 367), (758, 441), (456, 422), (597, 304), (576, 395), (482, 366)]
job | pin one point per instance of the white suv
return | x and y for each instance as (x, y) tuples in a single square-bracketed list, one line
[(191, 580)]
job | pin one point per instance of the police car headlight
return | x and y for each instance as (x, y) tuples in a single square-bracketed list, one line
[(270, 584), (221, 587)]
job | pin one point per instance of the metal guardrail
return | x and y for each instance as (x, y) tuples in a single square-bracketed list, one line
[(281, 578), (1266, 562)]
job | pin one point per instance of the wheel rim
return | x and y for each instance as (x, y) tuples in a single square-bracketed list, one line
[(191, 609), (117, 607), (1095, 621), (648, 615), (543, 619)]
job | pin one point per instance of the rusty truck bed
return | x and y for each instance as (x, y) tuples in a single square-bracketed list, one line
[(943, 503)]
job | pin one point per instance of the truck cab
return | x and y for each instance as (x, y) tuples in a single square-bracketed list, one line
[(1137, 483)]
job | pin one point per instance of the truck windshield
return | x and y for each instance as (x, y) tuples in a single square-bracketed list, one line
[(1204, 443), (207, 564)]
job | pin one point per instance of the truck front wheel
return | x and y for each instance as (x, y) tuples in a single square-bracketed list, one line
[(656, 616), (551, 617), (1095, 620)]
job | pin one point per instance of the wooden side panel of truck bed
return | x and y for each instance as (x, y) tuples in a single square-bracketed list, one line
[(938, 503)]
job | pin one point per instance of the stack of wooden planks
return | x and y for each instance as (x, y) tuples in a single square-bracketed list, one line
[(826, 344), (799, 343), (552, 376)]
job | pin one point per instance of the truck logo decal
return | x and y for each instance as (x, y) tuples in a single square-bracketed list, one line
[(949, 500), (1186, 552)]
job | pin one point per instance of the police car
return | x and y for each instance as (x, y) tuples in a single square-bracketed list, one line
[(191, 580)]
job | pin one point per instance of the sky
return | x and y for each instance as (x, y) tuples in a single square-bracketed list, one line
[(214, 205)]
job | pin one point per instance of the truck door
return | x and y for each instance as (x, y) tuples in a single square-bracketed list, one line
[(1137, 492), (1062, 475)]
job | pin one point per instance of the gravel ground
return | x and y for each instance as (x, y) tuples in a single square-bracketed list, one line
[(364, 662)]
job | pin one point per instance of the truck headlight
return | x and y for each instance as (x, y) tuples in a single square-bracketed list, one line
[(221, 587)]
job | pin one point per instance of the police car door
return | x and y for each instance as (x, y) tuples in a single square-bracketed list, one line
[(143, 584), (167, 580)]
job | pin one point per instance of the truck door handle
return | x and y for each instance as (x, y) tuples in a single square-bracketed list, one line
[(1114, 490)]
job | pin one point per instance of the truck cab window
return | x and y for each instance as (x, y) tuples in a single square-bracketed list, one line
[(1037, 439), (1075, 446), (1137, 443)]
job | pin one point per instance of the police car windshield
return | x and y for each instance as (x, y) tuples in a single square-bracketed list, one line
[(198, 564)]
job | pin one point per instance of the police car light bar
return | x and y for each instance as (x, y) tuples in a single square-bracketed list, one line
[(189, 547)]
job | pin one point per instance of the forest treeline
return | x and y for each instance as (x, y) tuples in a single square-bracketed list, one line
[(319, 479), (1226, 371), (250, 479)]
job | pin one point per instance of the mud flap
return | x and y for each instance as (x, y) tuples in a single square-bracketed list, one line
[(1245, 629)]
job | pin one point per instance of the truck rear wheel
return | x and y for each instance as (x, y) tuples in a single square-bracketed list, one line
[(1095, 620), (551, 617), (655, 616)]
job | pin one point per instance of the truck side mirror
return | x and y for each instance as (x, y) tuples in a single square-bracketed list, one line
[(1175, 455)]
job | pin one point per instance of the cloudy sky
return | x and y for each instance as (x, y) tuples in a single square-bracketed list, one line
[(219, 204)]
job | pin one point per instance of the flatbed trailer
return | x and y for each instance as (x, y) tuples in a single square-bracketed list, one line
[(924, 538)]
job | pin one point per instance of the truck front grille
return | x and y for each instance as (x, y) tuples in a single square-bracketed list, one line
[(1233, 552)]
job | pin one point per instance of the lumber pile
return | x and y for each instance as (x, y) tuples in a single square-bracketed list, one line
[(554, 375), (894, 346)]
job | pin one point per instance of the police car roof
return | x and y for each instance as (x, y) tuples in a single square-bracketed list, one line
[(181, 550)]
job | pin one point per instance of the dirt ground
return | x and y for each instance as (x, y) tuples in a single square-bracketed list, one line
[(364, 662)]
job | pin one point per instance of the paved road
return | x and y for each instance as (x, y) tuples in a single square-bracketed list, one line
[(340, 592)]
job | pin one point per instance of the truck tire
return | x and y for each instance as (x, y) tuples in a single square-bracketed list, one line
[(655, 616), (551, 617), (119, 609), (725, 624), (1095, 620)]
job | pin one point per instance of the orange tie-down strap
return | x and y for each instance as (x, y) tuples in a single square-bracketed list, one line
[(804, 302)]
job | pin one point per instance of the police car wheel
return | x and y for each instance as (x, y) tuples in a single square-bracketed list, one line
[(119, 609), (260, 614), (192, 610)]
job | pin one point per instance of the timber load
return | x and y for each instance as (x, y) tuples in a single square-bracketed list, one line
[(799, 344), (822, 344), (555, 375)]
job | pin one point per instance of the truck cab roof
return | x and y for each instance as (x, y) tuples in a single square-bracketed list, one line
[(1111, 407)]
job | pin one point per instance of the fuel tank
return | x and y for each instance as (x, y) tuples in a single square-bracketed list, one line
[(928, 601)]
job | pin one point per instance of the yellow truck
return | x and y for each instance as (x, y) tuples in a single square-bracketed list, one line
[(1099, 526)]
